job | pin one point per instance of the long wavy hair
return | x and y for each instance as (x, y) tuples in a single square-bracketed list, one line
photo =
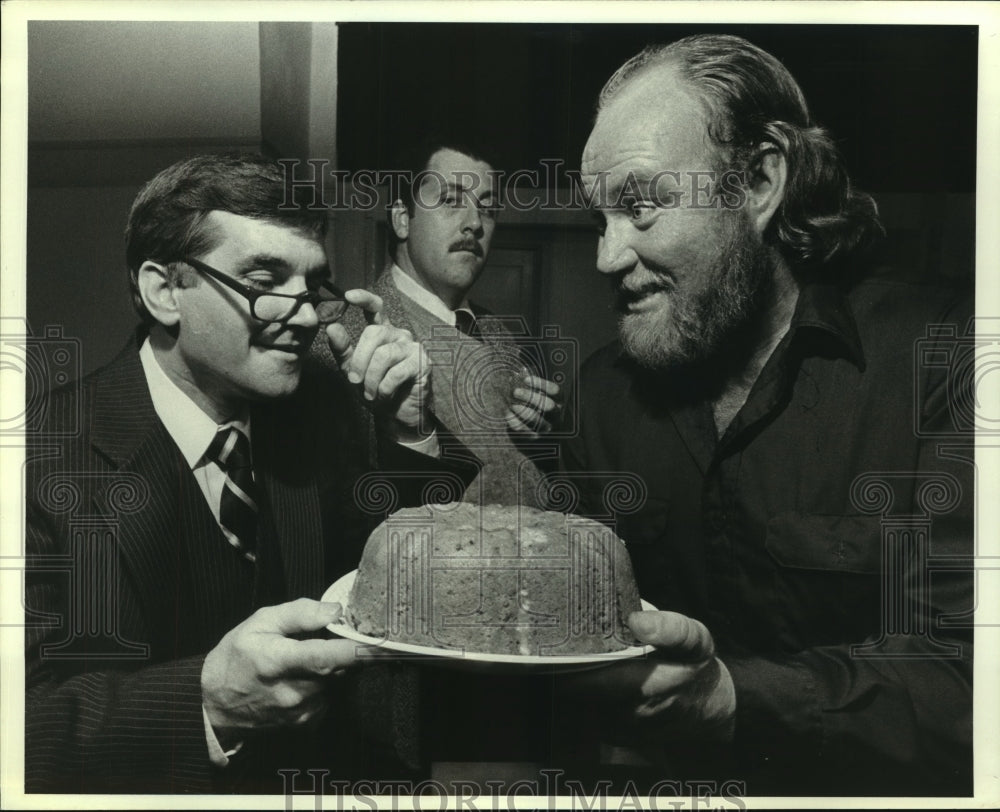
[(750, 98)]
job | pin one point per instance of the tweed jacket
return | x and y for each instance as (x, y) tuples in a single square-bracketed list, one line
[(472, 380)]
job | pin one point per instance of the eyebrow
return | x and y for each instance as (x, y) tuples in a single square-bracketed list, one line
[(263, 262), (641, 186), (607, 194), (488, 192), (279, 265), (634, 183)]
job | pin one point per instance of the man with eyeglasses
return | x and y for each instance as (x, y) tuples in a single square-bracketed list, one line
[(218, 470)]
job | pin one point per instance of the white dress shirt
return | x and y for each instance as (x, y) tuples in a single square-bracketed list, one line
[(193, 431), (412, 289), (189, 427)]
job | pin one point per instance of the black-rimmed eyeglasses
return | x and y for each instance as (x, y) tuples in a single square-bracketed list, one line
[(328, 301)]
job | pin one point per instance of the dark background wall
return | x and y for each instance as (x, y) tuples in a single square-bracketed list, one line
[(900, 100), (111, 103)]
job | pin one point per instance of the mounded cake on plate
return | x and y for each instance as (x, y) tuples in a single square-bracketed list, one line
[(498, 579)]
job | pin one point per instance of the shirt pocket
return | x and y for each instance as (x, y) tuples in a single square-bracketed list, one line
[(826, 587), (809, 541)]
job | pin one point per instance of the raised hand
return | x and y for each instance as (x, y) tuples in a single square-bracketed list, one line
[(392, 368)]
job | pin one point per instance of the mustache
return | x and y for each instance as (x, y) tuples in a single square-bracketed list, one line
[(627, 294), (467, 244)]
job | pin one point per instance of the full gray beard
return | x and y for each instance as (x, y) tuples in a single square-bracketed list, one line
[(694, 330)]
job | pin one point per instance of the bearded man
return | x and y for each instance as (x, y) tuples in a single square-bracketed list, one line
[(759, 383)]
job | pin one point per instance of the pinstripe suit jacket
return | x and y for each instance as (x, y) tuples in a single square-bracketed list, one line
[(130, 583)]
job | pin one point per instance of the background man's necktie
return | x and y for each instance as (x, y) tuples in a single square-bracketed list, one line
[(230, 448), (466, 323)]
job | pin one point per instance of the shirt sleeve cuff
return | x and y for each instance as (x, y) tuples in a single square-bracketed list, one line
[(427, 445), (218, 756), (778, 718)]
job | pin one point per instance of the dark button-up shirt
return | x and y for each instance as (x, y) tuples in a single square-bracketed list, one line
[(821, 538)]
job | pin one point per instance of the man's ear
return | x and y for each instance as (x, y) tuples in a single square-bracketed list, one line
[(767, 177), (400, 219), (159, 293)]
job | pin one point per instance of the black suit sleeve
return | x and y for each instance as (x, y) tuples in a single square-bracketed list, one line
[(107, 726)]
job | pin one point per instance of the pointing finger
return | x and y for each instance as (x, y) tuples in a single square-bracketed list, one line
[(371, 303)]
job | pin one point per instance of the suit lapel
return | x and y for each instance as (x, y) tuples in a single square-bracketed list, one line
[(392, 300), (189, 579), (123, 410), (127, 432)]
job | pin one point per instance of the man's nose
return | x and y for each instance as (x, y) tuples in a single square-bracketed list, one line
[(614, 252), (472, 220), (304, 316)]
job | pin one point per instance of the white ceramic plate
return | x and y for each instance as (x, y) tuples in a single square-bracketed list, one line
[(473, 660)]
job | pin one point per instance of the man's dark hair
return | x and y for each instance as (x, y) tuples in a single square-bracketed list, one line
[(167, 218), (413, 158), (751, 98)]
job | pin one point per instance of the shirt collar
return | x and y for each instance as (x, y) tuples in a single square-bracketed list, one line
[(822, 306), (184, 420), (412, 289)]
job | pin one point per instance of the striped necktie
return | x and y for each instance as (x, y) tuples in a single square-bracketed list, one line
[(230, 448)]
